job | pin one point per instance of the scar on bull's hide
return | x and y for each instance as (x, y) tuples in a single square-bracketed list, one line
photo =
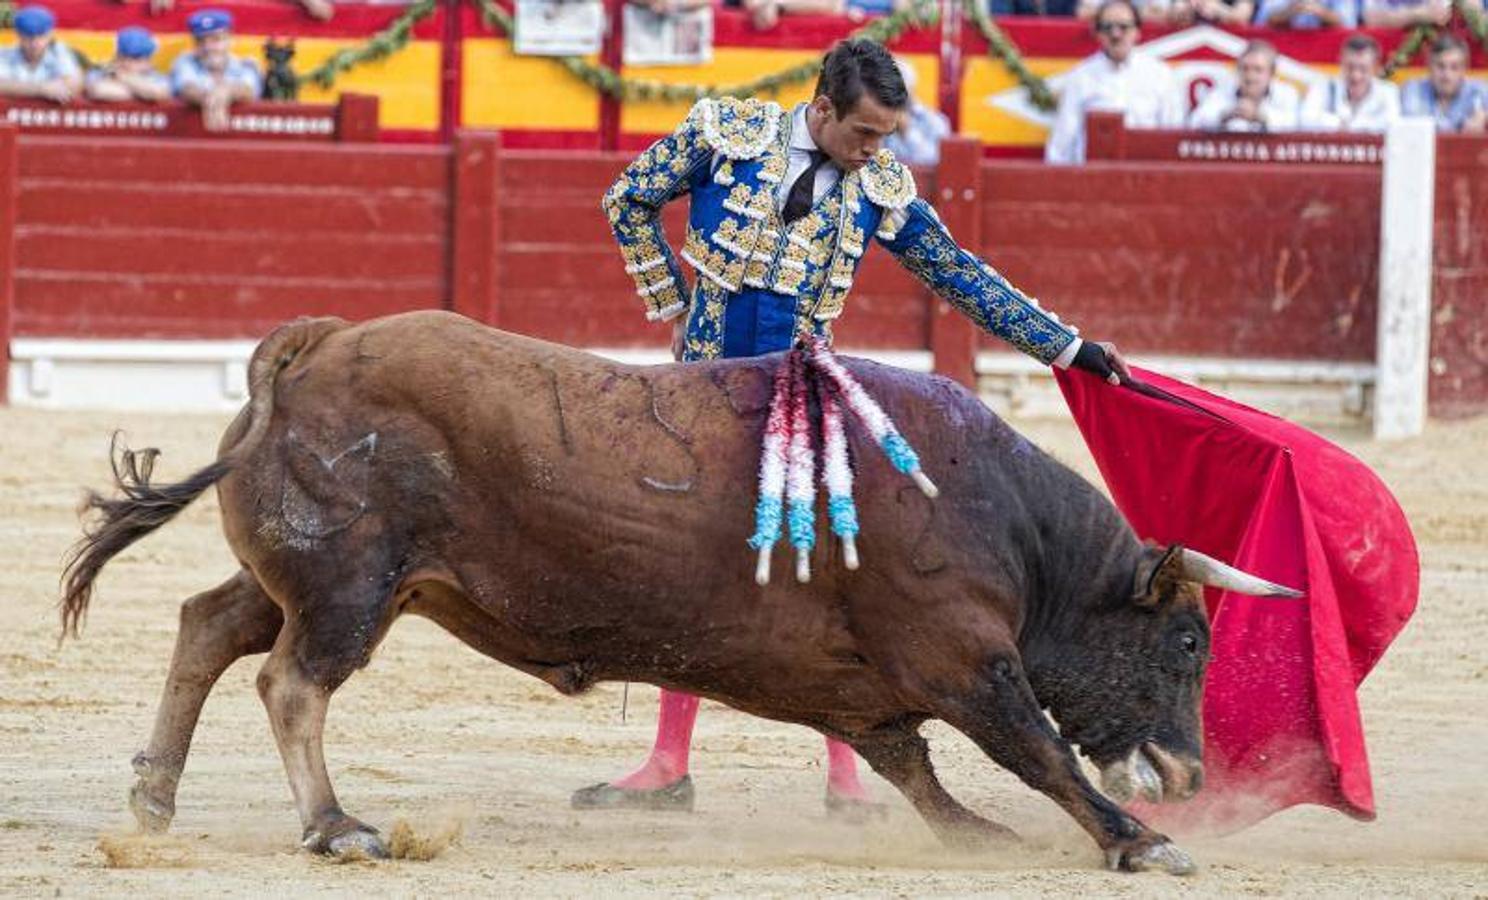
[(925, 552), (324, 493), (747, 390), (563, 436), (677, 435), (651, 401)]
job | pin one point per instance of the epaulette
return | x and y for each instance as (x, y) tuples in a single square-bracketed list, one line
[(888, 182), (739, 129)]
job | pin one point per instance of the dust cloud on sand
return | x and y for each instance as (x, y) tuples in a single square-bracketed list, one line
[(481, 759)]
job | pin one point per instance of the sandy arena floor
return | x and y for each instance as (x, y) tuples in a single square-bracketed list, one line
[(435, 735)]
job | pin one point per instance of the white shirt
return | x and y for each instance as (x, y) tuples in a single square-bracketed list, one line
[(57, 62), (1278, 110), (1327, 108), (798, 160), (1142, 88)]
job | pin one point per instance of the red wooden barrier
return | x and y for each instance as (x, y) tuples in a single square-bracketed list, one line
[(476, 234), (1203, 260), (211, 239), (953, 339), (196, 239), (1459, 334), (7, 251), (352, 118)]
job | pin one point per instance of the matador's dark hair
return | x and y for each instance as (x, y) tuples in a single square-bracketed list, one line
[(859, 66)]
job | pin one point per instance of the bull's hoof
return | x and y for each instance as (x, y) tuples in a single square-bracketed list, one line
[(153, 814), (854, 810), (348, 841), (152, 811), (1161, 857), (675, 797)]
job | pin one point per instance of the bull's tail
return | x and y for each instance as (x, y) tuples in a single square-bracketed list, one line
[(142, 506)]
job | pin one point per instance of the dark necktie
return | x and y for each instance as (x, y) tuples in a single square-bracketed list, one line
[(798, 201)]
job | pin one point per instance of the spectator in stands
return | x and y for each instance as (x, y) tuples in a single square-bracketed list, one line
[(1120, 78), (1154, 11), (1456, 103), (1358, 100), (1215, 12), (39, 65), (917, 142), (1255, 101), (1405, 13), (1308, 14), (210, 76), (130, 75)]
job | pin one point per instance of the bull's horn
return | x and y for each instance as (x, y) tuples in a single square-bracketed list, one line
[(1210, 571)]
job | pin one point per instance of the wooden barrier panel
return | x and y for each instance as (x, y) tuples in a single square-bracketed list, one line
[(148, 238), (7, 251), (138, 237), (352, 118), (953, 339), (1203, 260), (1458, 383)]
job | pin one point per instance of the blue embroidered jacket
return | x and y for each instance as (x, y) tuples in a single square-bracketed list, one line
[(763, 284)]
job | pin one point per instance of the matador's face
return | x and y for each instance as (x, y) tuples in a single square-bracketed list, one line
[(853, 139)]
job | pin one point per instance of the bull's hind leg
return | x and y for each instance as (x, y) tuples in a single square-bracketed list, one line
[(218, 628), (314, 655), (902, 757), (1004, 719)]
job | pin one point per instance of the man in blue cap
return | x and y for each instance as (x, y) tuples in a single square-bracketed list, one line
[(210, 76), (130, 75), (38, 65)]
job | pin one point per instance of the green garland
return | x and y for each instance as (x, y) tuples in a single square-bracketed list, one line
[(1414, 41), (1420, 35), (380, 46), (611, 83), (1473, 18), (1000, 48)]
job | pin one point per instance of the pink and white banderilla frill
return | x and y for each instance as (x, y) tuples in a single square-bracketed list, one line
[(788, 462)]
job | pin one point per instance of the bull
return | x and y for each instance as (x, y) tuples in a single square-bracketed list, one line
[(584, 521)]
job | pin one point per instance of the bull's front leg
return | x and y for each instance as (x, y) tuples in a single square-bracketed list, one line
[(1004, 718)]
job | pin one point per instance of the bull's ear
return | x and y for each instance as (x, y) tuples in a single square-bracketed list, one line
[(1157, 571)]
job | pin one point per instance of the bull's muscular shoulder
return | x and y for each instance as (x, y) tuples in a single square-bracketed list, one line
[(738, 129), (887, 181)]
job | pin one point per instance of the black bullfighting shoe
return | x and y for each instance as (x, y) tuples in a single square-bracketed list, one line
[(852, 810), (675, 797)]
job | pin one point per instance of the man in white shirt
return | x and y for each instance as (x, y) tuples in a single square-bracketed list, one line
[(1356, 100), (1119, 78), (1255, 101), (1447, 96)]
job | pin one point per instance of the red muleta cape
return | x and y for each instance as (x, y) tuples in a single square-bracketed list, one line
[(1281, 717)]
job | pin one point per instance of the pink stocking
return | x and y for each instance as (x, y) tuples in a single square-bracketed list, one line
[(668, 759), (842, 771)]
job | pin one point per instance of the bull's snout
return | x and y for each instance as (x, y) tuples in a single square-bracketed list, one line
[(1153, 774)]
